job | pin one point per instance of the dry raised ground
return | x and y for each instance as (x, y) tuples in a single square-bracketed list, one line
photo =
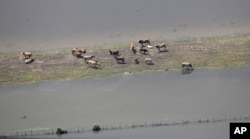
[(213, 52)]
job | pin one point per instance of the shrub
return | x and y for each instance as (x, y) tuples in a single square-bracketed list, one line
[(59, 131), (96, 128)]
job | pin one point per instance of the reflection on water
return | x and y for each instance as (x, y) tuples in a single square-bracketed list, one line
[(186, 71)]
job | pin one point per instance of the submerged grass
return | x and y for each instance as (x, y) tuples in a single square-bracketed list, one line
[(217, 52)]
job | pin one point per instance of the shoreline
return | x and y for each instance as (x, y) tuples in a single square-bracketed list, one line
[(202, 53)]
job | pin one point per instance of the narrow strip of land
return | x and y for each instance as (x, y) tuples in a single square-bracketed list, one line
[(216, 52)]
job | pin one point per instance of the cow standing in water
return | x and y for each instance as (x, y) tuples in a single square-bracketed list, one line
[(186, 66)]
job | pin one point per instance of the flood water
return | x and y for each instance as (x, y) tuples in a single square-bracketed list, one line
[(123, 99), (207, 131), (126, 99), (47, 24)]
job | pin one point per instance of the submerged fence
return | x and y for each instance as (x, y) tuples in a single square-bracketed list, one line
[(48, 131)]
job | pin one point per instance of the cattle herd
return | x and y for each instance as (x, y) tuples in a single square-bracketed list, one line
[(89, 59)]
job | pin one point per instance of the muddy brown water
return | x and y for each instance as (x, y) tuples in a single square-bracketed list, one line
[(126, 99)]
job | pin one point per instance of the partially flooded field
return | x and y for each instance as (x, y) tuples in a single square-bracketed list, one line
[(214, 52), (205, 33), (127, 99), (60, 90)]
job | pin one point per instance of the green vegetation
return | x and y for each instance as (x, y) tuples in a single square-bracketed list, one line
[(60, 131), (217, 52), (96, 128)]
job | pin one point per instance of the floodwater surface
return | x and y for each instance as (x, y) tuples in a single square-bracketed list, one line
[(197, 131), (126, 99), (51, 24)]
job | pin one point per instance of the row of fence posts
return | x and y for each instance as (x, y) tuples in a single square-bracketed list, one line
[(25, 133)]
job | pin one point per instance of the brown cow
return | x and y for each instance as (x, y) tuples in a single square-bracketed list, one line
[(27, 54), (132, 47), (78, 52), (119, 59), (113, 52), (93, 63), (161, 45), (88, 57), (147, 41)]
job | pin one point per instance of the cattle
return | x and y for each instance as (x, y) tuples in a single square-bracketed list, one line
[(149, 61), (161, 45), (27, 54), (186, 66), (142, 42)]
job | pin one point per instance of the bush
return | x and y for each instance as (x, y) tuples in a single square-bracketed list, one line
[(59, 131), (96, 128)]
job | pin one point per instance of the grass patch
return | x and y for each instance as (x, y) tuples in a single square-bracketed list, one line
[(217, 52)]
